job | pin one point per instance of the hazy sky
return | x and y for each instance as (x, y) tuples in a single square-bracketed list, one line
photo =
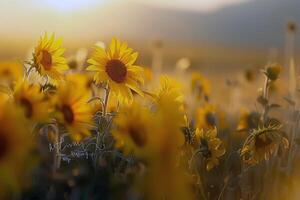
[(28, 18)]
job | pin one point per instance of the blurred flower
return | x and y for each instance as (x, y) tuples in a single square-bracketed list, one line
[(133, 129), (48, 58), (148, 74), (83, 81), (169, 96), (10, 71), (200, 86), (15, 146), (210, 147), (206, 116), (32, 101), (263, 142), (116, 67), (73, 110), (273, 71), (250, 75), (248, 120)]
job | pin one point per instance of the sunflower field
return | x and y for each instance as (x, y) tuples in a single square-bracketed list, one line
[(109, 127)]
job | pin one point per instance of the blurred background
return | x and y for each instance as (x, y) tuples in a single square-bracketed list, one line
[(212, 34)]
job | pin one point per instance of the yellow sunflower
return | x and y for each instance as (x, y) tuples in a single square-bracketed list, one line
[(10, 71), (48, 58), (133, 129), (262, 143), (32, 100), (73, 111), (200, 86), (206, 116), (210, 147), (115, 66), (15, 146), (81, 80), (248, 120), (169, 96)]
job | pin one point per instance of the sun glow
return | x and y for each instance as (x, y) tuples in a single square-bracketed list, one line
[(71, 5)]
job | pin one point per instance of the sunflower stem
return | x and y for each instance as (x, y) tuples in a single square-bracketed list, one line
[(107, 92), (266, 97)]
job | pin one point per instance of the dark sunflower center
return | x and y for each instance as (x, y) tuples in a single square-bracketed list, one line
[(138, 137), (204, 148), (68, 114), (116, 70), (211, 119), (261, 143), (4, 146), (46, 60), (27, 105)]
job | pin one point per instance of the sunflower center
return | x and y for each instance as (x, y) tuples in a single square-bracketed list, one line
[(116, 70), (210, 119), (137, 136), (4, 146), (68, 114), (27, 105), (261, 143), (46, 60)]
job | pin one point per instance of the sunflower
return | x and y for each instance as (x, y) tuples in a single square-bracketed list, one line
[(248, 120), (115, 66), (206, 116), (169, 96), (263, 142), (210, 147), (48, 58), (200, 86), (133, 129), (32, 100), (73, 111), (81, 80), (10, 71), (15, 146)]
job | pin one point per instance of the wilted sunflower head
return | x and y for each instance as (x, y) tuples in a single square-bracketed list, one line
[(31, 99), (73, 111), (210, 147), (116, 66), (263, 142), (15, 146), (48, 58)]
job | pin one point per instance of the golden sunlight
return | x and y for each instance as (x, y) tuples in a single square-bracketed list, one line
[(71, 5)]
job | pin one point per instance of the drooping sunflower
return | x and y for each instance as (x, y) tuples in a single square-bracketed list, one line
[(263, 142), (10, 71), (15, 146), (32, 101), (48, 58), (133, 129), (200, 86), (73, 111), (210, 147), (115, 66)]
